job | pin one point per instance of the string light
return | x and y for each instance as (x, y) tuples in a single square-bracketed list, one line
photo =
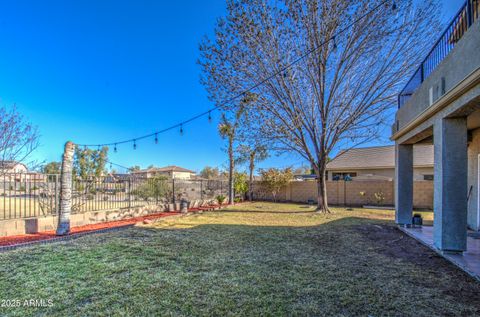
[(115, 164), (115, 148), (394, 5), (282, 71)]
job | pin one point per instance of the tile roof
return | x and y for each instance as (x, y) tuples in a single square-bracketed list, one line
[(379, 157), (170, 168), (9, 164)]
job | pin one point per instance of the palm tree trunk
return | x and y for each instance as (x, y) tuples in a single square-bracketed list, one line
[(63, 227), (251, 169), (230, 171)]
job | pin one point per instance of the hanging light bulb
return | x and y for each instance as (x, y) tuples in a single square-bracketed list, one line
[(210, 116), (334, 43), (156, 138), (134, 144), (181, 129), (394, 5), (110, 166), (115, 148)]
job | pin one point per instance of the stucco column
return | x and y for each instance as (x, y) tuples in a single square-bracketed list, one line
[(450, 180), (403, 184)]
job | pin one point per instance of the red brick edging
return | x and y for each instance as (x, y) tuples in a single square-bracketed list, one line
[(17, 241)]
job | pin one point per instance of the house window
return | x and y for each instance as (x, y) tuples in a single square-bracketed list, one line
[(428, 177), (341, 176)]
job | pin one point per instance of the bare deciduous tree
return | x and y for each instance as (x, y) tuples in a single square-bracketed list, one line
[(18, 138), (325, 73)]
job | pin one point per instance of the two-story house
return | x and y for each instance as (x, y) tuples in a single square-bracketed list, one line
[(440, 105), (172, 172)]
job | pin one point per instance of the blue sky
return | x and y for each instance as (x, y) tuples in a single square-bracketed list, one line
[(99, 71)]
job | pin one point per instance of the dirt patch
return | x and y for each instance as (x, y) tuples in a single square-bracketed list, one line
[(394, 243), (391, 242)]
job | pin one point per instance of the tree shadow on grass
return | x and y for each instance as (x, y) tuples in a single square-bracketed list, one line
[(300, 212), (353, 245), (350, 266)]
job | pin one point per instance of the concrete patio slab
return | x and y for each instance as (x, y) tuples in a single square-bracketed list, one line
[(469, 261)]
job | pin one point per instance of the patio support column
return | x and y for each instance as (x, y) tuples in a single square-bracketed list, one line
[(403, 184), (450, 185)]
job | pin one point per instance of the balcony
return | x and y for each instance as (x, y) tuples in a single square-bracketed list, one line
[(445, 77), (457, 28)]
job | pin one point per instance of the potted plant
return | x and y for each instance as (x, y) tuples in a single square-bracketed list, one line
[(417, 220)]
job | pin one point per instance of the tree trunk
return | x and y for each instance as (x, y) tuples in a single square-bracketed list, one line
[(322, 202), (230, 171), (251, 169), (63, 227)]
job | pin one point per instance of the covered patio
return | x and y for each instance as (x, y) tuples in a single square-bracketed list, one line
[(469, 261), (442, 107)]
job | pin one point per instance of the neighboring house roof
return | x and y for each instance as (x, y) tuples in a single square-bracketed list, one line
[(305, 176), (379, 157), (117, 177), (10, 164), (170, 168)]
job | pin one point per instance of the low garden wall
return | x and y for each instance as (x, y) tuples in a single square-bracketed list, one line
[(353, 193), (46, 223)]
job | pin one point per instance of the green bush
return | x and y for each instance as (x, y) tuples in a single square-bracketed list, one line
[(156, 187), (221, 199)]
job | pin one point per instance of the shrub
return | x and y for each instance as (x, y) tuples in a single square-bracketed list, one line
[(221, 199), (240, 183), (274, 180), (379, 197), (153, 188)]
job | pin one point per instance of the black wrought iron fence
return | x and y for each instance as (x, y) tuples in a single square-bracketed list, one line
[(24, 195), (463, 20), (28, 195)]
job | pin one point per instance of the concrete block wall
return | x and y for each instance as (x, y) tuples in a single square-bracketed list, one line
[(349, 193), (423, 194)]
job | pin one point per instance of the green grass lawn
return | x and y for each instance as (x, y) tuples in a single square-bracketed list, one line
[(252, 259)]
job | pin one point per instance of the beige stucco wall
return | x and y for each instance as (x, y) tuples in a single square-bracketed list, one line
[(473, 152), (418, 172), (348, 193), (182, 175)]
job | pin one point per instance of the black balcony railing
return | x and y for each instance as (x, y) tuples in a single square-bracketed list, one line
[(462, 21)]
